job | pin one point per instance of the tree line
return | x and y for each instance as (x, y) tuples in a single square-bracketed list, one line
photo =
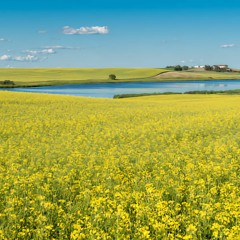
[(216, 68), (178, 68)]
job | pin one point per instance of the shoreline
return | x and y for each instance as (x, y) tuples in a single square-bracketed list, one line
[(225, 92), (99, 81)]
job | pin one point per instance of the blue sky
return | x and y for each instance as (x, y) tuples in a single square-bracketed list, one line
[(58, 33)]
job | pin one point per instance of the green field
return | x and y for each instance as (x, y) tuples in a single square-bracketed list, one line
[(53, 76), (158, 167)]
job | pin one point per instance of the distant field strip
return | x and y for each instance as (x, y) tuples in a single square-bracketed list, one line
[(192, 75), (159, 167), (54, 74)]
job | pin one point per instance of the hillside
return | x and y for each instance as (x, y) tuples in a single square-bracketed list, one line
[(51, 76), (197, 75)]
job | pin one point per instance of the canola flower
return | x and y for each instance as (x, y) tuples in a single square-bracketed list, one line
[(162, 167)]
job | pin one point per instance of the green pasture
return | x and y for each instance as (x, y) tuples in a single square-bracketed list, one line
[(57, 76), (52, 76)]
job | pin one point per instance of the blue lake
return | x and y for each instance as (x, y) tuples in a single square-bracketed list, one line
[(108, 90)]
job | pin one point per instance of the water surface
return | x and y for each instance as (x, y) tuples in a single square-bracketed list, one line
[(108, 90)]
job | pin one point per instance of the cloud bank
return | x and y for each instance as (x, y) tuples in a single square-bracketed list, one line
[(85, 30)]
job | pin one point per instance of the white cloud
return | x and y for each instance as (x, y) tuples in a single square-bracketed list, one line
[(48, 51), (60, 47), (43, 51), (5, 58), (31, 51), (85, 30), (228, 45), (27, 58)]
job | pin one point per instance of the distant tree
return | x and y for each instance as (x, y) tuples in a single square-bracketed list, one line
[(217, 69), (185, 68), (178, 68), (7, 82), (112, 77), (208, 68)]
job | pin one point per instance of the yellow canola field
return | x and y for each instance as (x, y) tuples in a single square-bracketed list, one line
[(162, 167)]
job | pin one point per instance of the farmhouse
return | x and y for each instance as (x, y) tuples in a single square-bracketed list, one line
[(199, 66), (220, 66)]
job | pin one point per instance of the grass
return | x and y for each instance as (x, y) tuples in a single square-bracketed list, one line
[(129, 95), (197, 75), (53, 76)]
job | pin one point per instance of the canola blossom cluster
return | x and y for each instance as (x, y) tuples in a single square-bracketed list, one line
[(159, 167)]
